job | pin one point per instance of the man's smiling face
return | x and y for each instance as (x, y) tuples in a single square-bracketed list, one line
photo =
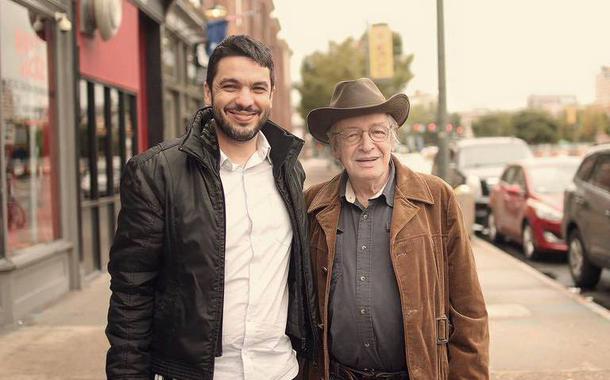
[(367, 160), (240, 96)]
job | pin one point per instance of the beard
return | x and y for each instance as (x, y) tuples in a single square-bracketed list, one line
[(236, 131)]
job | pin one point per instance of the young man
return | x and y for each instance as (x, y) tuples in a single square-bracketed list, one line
[(398, 291), (209, 279)]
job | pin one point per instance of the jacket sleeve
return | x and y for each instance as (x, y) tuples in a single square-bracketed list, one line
[(134, 263), (469, 336)]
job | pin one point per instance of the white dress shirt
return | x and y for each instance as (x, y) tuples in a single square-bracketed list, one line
[(257, 256)]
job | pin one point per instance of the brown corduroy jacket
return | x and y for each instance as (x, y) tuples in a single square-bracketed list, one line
[(444, 315)]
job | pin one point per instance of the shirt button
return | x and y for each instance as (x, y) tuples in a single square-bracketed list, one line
[(362, 278), (363, 247), (363, 311), (365, 216), (366, 344)]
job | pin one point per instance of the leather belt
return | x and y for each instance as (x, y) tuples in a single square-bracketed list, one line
[(344, 372)]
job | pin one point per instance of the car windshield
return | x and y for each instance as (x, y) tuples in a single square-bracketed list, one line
[(492, 155), (552, 179)]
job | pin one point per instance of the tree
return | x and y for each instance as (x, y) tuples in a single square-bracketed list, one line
[(493, 124), (535, 127), (593, 121), (425, 115), (321, 71)]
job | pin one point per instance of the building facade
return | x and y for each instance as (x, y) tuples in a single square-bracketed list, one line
[(38, 228), (80, 94), (602, 89), (554, 105)]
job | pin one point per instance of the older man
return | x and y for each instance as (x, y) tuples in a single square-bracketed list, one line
[(397, 287)]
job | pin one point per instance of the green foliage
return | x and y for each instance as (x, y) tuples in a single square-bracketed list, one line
[(493, 124), (321, 71), (592, 122), (424, 115), (535, 127)]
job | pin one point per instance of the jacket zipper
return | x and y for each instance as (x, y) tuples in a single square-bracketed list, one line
[(308, 308), (218, 342)]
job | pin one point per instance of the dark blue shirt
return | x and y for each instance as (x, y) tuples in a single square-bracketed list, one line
[(365, 313)]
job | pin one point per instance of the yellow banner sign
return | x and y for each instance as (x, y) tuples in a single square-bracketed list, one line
[(381, 52)]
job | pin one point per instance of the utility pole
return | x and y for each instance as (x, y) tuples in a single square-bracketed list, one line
[(441, 116)]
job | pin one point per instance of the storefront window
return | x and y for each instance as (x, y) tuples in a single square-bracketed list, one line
[(29, 150), (108, 125), (107, 137)]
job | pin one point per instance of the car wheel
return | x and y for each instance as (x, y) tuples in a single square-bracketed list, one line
[(584, 273), (527, 243), (494, 234)]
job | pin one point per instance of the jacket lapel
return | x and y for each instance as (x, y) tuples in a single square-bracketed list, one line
[(409, 187), (326, 206), (328, 218), (403, 212)]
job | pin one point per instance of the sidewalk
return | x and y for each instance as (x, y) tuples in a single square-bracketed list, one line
[(539, 330)]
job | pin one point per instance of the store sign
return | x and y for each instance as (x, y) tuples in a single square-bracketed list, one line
[(381, 52), (24, 68)]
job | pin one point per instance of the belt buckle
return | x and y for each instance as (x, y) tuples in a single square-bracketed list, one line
[(442, 330)]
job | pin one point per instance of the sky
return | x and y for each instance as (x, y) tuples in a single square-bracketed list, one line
[(498, 52)]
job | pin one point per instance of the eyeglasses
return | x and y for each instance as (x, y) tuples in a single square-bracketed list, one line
[(352, 136)]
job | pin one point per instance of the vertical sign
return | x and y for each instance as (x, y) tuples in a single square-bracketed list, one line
[(381, 52)]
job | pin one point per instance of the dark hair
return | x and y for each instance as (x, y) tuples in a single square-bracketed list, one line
[(240, 46)]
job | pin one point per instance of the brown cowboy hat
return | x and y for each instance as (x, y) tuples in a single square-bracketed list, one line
[(355, 98)]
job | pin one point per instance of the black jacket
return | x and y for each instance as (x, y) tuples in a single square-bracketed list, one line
[(167, 258)]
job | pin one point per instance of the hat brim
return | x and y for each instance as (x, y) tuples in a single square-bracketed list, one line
[(321, 119)]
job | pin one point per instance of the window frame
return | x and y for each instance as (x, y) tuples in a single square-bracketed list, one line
[(601, 159)]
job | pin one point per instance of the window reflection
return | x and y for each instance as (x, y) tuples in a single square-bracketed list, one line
[(30, 154)]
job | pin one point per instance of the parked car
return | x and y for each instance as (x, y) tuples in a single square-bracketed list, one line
[(478, 163), (586, 221), (526, 205)]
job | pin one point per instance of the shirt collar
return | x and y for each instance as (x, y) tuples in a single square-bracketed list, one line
[(263, 150), (347, 191)]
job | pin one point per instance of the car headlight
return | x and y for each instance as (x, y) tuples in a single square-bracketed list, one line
[(546, 212)]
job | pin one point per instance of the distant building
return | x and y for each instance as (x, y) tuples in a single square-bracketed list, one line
[(420, 98), (467, 118), (602, 88), (555, 105)]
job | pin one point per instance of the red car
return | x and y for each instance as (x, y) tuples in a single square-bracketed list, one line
[(526, 205)]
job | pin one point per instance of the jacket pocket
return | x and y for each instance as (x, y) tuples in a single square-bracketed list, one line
[(410, 245)]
